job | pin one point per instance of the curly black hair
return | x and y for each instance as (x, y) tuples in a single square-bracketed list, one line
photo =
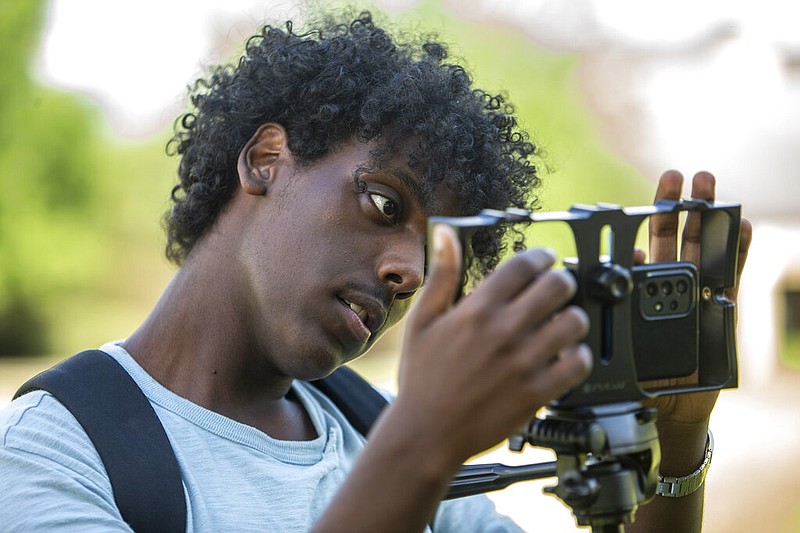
[(346, 81)]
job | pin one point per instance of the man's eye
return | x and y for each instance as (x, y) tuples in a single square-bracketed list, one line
[(386, 206)]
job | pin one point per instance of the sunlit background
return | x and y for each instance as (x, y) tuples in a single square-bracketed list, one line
[(614, 91)]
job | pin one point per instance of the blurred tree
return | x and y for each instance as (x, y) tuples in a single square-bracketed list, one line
[(47, 149)]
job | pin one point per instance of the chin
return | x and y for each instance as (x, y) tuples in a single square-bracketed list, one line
[(319, 366), (319, 361)]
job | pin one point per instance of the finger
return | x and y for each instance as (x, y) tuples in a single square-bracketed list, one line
[(565, 329), (570, 368), (745, 238), (663, 229), (444, 280), (639, 256), (551, 291), (703, 185), (516, 275)]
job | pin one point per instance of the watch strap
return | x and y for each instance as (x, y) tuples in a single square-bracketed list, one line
[(676, 487)]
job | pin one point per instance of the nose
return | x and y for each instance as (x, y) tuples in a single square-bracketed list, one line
[(402, 265)]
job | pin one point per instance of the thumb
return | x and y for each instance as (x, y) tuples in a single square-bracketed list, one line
[(444, 278)]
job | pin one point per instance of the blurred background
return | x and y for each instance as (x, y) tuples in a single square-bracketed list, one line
[(614, 91)]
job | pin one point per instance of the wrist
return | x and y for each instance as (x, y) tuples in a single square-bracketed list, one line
[(683, 447), (401, 432)]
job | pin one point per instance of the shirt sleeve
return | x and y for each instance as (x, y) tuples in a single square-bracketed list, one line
[(52, 477)]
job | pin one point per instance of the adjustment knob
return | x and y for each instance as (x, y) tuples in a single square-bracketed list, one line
[(610, 283)]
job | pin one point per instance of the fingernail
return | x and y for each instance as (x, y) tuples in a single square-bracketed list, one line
[(438, 239), (543, 257)]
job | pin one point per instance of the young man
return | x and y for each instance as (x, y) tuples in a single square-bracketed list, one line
[(307, 175)]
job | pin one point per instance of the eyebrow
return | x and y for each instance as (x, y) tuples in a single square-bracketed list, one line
[(424, 197)]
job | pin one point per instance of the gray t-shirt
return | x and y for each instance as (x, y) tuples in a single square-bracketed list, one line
[(235, 477)]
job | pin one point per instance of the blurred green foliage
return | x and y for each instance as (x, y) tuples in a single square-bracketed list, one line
[(66, 203), (80, 239), (790, 350)]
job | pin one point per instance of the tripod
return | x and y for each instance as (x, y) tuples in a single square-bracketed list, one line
[(607, 460)]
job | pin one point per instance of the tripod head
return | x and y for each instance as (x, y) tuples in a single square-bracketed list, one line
[(607, 459), (607, 462)]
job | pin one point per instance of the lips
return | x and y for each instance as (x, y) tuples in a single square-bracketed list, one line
[(360, 311), (369, 311)]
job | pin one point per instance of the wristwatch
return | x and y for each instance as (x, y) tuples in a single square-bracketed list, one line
[(675, 487)]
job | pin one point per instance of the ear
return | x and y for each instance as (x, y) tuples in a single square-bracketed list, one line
[(259, 159)]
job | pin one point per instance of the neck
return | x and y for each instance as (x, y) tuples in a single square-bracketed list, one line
[(198, 342)]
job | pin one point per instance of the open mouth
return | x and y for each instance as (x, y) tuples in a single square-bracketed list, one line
[(362, 313), (370, 313)]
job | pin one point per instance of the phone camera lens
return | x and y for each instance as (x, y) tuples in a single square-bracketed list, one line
[(651, 289), (681, 287), (666, 288)]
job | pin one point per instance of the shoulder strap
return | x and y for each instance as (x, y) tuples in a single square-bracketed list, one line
[(132, 443), (360, 403)]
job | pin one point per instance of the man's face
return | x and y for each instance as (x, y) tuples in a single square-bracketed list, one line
[(333, 255)]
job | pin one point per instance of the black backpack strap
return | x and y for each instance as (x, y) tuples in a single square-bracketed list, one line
[(128, 435), (360, 403)]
